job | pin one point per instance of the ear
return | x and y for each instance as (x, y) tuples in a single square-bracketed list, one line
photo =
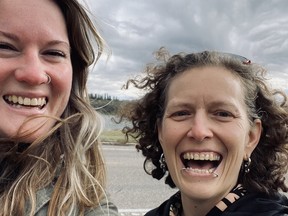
[(254, 137)]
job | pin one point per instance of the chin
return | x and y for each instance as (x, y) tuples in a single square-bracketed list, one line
[(200, 193), (32, 131)]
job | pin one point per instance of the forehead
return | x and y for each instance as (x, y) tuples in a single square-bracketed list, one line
[(33, 19), (30, 10), (208, 81), (29, 5)]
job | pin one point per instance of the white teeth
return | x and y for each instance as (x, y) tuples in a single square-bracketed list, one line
[(202, 171), (14, 99), (26, 101), (211, 156), (20, 100)]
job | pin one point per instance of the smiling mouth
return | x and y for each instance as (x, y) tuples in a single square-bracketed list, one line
[(18, 101), (201, 163)]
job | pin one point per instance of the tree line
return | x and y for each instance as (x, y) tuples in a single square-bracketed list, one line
[(106, 104)]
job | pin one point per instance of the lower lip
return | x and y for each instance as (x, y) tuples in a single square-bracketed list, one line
[(24, 107), (26, 110)]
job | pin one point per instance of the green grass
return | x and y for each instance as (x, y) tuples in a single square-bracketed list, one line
[(114, 136)]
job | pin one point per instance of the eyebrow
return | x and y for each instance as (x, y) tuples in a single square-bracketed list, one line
[(10, 36), (57, 42), (224, 103), (184, 104), (17, 39)]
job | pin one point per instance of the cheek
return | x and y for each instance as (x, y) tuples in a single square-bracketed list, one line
[(163, 134), (65, 92), (61, 90), (238, 128), (171, 134), (63, 79), (62, 72), (235, 140)]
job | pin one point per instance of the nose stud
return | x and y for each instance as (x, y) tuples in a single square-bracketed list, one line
[(48, 79)]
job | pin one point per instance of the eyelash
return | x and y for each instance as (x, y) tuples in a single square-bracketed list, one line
[(226, 113), (218, 114), (6, 46), (56, 53), (181, 113)]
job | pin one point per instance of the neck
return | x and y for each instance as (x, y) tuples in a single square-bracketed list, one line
[(192, 207), (197, 207)]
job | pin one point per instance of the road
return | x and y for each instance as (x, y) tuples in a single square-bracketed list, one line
[(131, 189)]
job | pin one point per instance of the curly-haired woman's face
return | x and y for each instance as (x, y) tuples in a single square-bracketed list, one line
[(205, 130), (33, 44)]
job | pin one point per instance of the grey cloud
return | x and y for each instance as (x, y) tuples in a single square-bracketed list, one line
[(134, 29)]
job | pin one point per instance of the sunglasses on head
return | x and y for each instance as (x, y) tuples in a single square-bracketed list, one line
[(238, 57)]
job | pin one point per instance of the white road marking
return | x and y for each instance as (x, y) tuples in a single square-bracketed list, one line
[(132, 212), (111, 148)]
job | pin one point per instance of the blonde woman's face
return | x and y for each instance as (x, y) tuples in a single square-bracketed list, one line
[(33, 44), (205, 130)]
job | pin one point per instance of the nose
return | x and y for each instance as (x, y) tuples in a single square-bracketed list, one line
[(30, 69), (200, 127)]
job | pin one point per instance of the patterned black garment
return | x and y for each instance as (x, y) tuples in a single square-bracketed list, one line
[(237, 203)]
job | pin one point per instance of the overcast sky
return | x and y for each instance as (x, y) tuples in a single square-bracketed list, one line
[(134, 29)]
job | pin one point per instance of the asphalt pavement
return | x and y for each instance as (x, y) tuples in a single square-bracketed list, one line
[(132, 190)]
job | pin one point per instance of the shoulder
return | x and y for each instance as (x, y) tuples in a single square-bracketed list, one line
[(164, 208), (260, 204), (105, 208)]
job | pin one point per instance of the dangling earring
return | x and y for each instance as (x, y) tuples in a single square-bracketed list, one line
[(162, 162), (247, 165)]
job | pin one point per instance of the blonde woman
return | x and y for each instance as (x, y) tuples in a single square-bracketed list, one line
[(50, 161)]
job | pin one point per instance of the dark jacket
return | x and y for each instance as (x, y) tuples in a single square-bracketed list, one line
[(252, 204)]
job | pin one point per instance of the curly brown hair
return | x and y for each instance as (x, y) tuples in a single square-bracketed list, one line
[(269, 159)]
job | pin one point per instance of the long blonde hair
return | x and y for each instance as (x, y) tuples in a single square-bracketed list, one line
[(68, 157)]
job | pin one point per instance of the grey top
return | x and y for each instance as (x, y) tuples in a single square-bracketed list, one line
[(106, 208)]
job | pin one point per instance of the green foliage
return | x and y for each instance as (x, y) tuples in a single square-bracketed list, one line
[(106, 104), (101, 97), (115, 136), (111, 108)]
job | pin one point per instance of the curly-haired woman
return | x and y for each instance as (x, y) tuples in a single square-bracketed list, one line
[(211, 123)]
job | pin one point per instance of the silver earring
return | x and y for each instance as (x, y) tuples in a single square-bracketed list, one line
[(247, 165), (48, 79), (162, 162)]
